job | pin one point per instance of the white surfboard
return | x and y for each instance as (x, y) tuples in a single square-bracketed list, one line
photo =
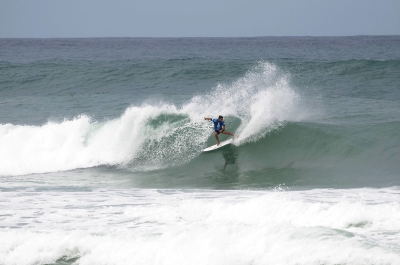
[(213, 147)]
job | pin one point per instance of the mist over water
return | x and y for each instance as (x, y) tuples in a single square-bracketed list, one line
[(101, 162)]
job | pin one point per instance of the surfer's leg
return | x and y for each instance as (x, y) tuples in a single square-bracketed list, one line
[(228, 133), (216, 137)]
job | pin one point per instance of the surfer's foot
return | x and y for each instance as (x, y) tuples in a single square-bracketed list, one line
[(218, 144)]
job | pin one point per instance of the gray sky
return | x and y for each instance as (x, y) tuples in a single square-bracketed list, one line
[(201, 18)]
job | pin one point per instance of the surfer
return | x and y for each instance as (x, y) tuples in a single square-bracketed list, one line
[(219, 127)]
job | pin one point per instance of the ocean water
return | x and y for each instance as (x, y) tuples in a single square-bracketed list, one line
[(101, 162)]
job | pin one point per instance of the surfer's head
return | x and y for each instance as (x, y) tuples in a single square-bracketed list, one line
[(220, 118)]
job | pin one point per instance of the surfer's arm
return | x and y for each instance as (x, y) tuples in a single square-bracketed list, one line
[(207, 119)]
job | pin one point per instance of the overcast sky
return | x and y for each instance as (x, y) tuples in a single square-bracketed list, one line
[(197, 18)]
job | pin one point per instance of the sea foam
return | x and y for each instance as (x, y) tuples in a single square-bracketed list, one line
[(358, 226)]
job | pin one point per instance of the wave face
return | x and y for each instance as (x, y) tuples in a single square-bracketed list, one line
[(149, 137), (282, 132)]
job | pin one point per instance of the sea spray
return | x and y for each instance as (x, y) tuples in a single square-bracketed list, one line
[(263, 100)]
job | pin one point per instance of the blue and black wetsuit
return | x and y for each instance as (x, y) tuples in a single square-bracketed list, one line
[(218, 125)]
